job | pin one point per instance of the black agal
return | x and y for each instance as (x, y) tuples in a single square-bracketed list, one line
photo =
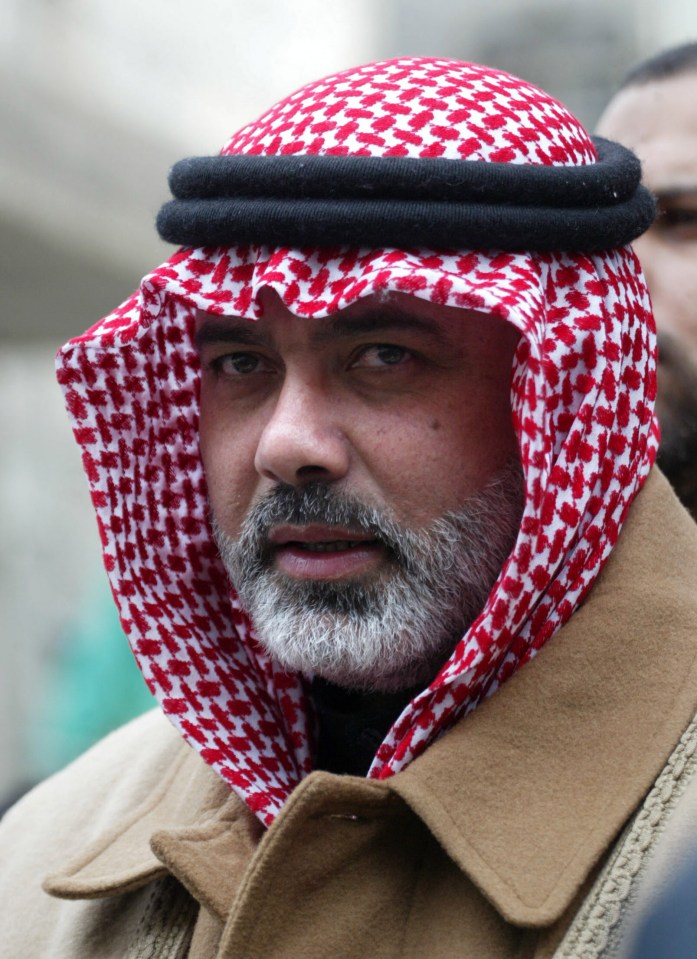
[(407, 202)]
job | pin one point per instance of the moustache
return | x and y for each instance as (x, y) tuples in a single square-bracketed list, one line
[(320, 504)]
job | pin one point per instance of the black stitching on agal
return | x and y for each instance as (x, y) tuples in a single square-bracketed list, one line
[(311, 200)]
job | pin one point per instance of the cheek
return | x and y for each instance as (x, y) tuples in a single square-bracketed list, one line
[(674, 298), (672, 277), (227, 453), (482, 439), (425, 463), (677, 275)]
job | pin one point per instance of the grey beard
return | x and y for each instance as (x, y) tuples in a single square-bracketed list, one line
[(384, 632)]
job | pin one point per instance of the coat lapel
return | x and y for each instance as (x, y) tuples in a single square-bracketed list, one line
[(529, 791)]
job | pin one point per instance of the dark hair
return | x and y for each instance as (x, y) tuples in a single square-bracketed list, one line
[(661, 66)]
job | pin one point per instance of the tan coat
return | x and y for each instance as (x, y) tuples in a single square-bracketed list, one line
[(484, 847)]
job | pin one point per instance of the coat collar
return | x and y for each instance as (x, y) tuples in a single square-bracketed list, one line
[(528, 792)]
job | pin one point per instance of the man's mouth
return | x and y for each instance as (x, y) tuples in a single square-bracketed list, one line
[(337, 545), (322, 553)]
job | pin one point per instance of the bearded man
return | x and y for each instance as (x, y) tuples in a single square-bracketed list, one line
[(655, 114), (371, 457)]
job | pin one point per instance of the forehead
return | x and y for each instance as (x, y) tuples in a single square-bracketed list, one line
[(658, 120)]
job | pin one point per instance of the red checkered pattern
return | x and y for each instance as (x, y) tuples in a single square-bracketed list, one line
[(582, 398)]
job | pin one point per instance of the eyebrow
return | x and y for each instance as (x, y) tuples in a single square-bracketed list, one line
[(226, 329), (378, 320)]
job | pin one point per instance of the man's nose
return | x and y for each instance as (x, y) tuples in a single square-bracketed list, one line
[(302, 440)]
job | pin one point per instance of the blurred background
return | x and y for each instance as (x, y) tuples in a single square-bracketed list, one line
[(97, 100)]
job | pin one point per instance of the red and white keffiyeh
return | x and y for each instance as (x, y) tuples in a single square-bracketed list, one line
[(582, 398)]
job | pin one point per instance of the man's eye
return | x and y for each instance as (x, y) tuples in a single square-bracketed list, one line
[(239, 364), (680, 220), (382, 354)]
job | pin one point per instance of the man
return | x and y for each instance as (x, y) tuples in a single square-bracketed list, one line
[(655, 114), (371, 457)]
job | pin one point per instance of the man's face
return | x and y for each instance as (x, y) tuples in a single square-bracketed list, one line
[(351, 462), (658, 120)]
